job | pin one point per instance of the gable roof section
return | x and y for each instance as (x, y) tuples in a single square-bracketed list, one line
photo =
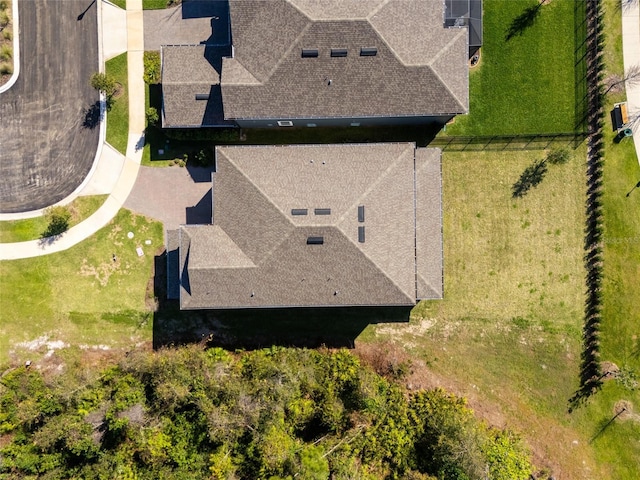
[(255, 193), (189, 71), (420, 67)]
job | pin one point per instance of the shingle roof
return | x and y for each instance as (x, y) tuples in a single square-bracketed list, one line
[(189, 71), (420, 67), (429, 223), (257, 252)]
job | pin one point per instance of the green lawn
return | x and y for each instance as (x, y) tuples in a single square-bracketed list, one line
[(32, 228), (508, 333), (120, 3), (81, 296), (155, 4), (118, 115), (525, 84)]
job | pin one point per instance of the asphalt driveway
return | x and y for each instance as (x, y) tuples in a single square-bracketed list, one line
[(47, 142)]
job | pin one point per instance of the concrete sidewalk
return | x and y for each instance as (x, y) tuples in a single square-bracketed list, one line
[(631, 55), (114, 173)]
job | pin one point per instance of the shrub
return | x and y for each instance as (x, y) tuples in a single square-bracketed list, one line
[(58, 220), (7, 34), (6, 52), (152, 68), (4, 19), (558, 157), (6, 69), (152, 116), (104, 83)]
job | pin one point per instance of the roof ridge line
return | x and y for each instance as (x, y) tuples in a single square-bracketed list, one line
[(379, 179), (437, 57), (288, 50), (278, 209), (375, 265), (258, 82), (428, 284), (377, 9)]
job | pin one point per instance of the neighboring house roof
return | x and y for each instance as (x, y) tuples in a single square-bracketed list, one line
[(317, 225), (420, 67), (191, 82)]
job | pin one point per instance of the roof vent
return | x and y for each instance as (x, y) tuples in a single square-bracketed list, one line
[(298, 211), (338, 52), (361, 234), (368, 51), (315, 240), (202, 96), (322, 211), (361, 213), (309, 52)]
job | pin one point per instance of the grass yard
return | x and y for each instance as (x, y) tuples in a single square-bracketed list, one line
[(508, 333), (118, 115), (157, 4), (525, 84), (32, 228), (120, 3), (81, 296)]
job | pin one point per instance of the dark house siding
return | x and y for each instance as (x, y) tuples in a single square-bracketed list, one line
[(344, 122)]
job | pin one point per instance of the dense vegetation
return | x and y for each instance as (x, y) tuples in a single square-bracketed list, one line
[(276, 413)]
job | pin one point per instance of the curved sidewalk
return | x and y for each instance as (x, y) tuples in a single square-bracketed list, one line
[(631, 55), (102, 179)]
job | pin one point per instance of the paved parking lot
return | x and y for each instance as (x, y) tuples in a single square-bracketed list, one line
[(45, 151)]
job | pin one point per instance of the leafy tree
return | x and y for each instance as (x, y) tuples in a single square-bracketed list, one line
[(58, 220), (506, 457), (558, 157), (105, 84), (279, 413)]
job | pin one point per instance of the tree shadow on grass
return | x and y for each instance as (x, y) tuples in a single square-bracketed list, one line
[(531, 177), (258, 328), (523, 21)]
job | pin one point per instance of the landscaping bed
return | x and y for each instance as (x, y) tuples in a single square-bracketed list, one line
[(6, 41)]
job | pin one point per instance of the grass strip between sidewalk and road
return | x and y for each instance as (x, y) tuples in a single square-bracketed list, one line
[(118, 114), (32, 228)]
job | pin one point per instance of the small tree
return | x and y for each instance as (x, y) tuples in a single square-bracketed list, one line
[(152, 68), (58, 220), (152, 116), (104, 83), (558, 157)]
